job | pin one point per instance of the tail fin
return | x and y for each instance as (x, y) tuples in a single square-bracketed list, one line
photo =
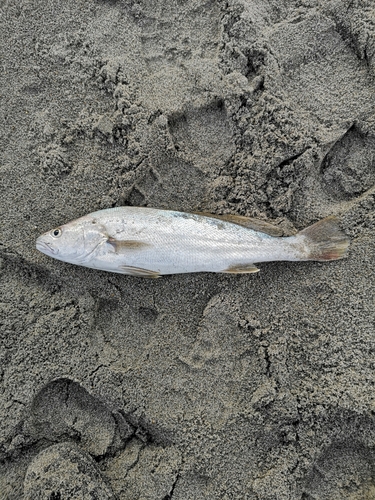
[(325, 240)]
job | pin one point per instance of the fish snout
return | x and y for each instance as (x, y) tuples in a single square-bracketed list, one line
[(45, 247)]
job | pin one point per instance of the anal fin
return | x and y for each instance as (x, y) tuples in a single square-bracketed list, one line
[(241, 269), (139, 271)]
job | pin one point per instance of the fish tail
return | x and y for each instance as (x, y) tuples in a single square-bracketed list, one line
[(324, 240)]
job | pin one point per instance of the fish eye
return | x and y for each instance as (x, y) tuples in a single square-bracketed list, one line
[(57, 232)]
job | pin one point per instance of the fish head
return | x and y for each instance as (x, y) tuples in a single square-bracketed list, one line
[(74, 242)]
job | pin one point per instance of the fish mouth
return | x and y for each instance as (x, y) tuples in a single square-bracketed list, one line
[(45, 247)]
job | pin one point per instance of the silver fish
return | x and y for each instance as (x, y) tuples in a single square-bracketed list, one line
[(150, 242)]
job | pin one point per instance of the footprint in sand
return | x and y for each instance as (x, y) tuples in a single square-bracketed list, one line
[(62, 472), (132, 464), (348, 169), (65, 410), (344, 471)]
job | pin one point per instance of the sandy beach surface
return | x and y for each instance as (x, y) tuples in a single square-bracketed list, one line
[(202, 386)]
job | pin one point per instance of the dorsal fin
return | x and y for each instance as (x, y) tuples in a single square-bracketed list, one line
[(249, 222)]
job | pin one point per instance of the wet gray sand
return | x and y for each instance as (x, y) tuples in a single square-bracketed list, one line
[(256, 387)]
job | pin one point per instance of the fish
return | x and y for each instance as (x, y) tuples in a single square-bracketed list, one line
[(151, 242)]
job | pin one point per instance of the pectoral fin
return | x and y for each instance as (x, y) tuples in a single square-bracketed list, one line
[(123, 245), (248, 222), (241, 269), (138, 271)]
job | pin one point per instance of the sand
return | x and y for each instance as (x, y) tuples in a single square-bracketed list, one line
[(256, 387)]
